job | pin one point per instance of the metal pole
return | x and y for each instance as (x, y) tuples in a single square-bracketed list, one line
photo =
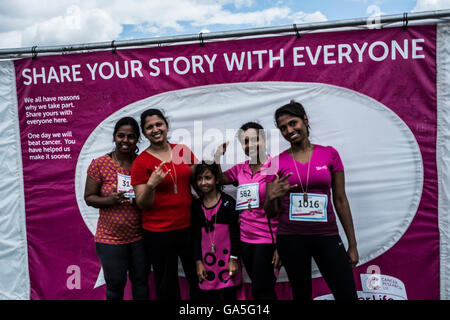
[(29, 51)]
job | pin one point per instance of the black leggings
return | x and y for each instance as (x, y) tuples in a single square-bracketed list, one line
[(257, 260), (164, 248), (116, 260), (225, 294), (331, 258)]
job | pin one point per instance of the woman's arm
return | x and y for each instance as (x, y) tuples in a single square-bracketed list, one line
[(342, 207), (219, 153), (196, 229), (145, 193), (275, 191), (93, 199), (234, 228), (272, 204), (197, 241)]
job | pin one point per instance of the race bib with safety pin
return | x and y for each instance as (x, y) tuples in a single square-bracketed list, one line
[(124, 185), (247, 194), (314, 209)]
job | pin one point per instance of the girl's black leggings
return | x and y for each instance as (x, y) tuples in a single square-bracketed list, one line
[(331, 258)]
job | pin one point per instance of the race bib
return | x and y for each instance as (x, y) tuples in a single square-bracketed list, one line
[(314, 209), (124, 185), (247, 194)]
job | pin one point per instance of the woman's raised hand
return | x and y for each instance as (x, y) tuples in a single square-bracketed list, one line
[(157, 175), (278, 187), (220, 151)]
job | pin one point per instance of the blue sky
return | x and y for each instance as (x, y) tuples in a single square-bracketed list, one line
[(330, 9), (25, 23)]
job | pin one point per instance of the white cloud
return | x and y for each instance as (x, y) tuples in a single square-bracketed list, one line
[(53, 22), (426, 5), (146, 28), (92, 25), (256, 18), (237, 3), (302, 17), (11, 39)]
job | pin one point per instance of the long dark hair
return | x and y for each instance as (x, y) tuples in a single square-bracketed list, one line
[(207, 165), (294, 109), (128, 121), (152, 112)]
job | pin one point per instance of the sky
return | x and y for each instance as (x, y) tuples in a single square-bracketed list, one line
[(27, 23)]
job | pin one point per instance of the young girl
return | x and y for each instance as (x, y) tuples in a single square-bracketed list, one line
[(215, 225)]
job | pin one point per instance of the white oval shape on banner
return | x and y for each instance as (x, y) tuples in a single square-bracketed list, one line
[(381, 157)]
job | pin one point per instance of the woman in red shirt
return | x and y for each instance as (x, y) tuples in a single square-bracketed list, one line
[(160, 176)]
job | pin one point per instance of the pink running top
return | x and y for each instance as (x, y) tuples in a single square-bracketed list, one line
[(323, 163), (253, 224)]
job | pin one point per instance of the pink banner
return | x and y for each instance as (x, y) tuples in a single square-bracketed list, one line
[(63, 99)]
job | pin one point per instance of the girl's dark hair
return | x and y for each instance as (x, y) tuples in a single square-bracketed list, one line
[(128, 121), (152, 112), (200, 168), (294, 109), (251, 125)]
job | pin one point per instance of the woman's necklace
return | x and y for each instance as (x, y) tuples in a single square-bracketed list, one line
[(114, 157), (174, 180), (174, 176), (213, 240), (116, 160), (304, 190)]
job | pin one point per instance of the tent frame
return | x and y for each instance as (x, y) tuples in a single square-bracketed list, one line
[(370, 23)]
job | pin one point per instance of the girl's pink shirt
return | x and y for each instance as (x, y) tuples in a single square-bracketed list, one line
[(254, 224)]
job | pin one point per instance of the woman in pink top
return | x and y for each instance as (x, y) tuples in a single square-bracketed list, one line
[(257, 232), (118, 239), (301, 197)]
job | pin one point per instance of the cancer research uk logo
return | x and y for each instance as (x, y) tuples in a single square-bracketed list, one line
[(381, 287), (373, 282), (377, 286)]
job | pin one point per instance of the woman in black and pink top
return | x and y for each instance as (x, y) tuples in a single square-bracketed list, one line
[(215, 227), (310, 180)]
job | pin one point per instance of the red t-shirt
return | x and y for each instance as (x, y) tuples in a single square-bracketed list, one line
[(170, 210)]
